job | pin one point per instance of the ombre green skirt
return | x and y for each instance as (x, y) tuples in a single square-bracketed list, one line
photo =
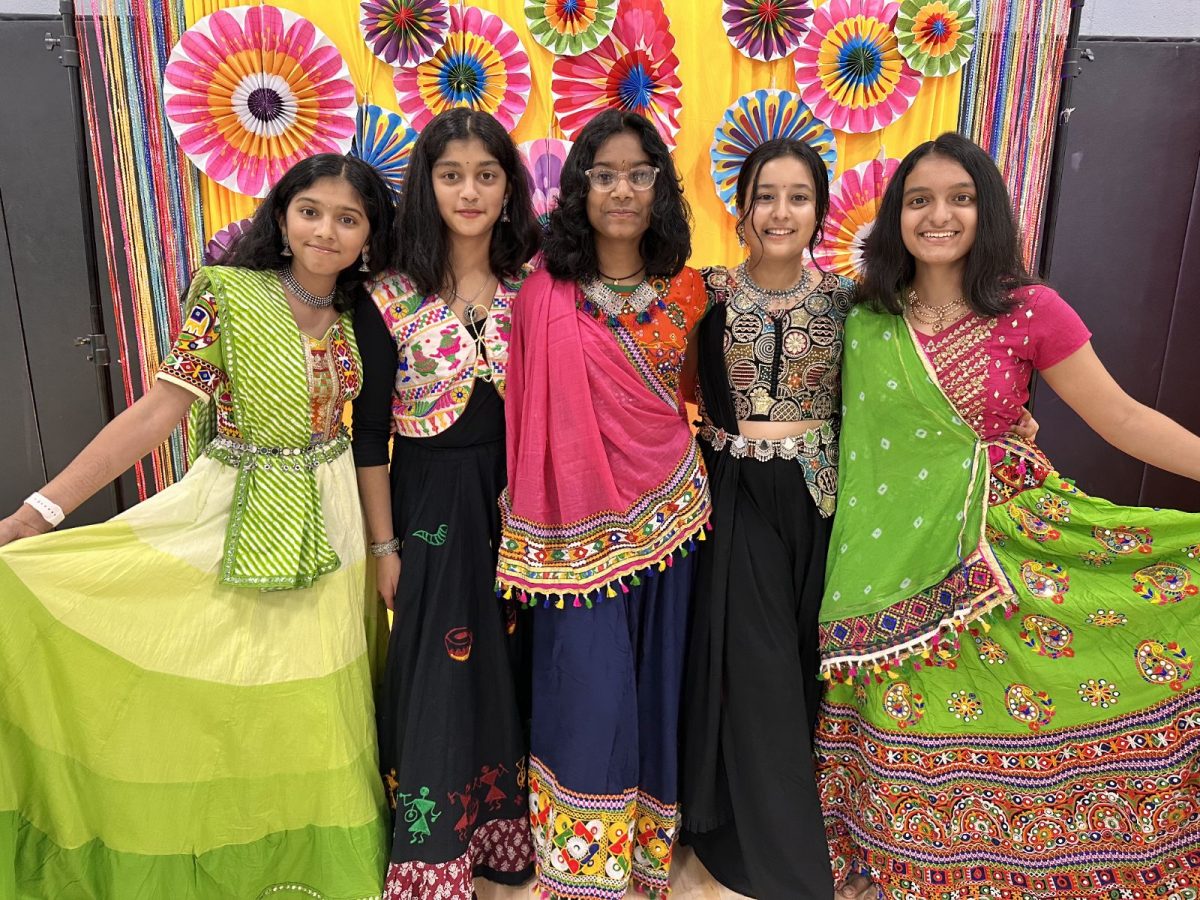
[(163, 735)]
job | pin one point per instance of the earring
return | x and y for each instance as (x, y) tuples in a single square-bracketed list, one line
[(741, 236), (504, 217), (366, 258), (287, 248)]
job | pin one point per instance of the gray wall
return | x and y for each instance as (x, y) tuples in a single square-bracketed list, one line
[(1141, 18), (29, 6)]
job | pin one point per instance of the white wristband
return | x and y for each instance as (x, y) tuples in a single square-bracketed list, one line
[(46, 508)]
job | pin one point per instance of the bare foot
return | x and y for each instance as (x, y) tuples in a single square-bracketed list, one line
[(857, 887)]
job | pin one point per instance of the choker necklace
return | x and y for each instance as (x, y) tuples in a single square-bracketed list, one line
[(769, 299), (303, 294), (605, 298), (931, 315), (638, 271)]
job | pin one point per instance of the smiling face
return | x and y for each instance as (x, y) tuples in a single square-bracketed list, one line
[(940, 213), (783, 213), (470, 185), (326, 226), (622, 215)]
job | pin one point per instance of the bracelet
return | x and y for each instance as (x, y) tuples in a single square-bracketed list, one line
[(46, 508), (387, 548)]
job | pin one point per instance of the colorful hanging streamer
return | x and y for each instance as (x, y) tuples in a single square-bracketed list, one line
[(1010, 99), (153, 241)]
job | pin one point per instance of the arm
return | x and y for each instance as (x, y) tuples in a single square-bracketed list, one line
[(121, 443), (372, 418), (1132, 427)]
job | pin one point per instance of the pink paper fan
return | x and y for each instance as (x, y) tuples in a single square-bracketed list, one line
[(849, 67), (217, 248), (633, 69), (252, 90), (544, 159), (853, 204), (482, 65)]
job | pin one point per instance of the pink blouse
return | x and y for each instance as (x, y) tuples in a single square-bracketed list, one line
[(984, 364)]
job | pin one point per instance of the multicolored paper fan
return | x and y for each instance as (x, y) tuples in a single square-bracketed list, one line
[(757, 117), (849, 67), (570, 27), (482, 65), (383, 139), (853, 204), (215, 249), (544, 159), (405, 32), (936, 37), (252, 90), (633, 69), (766, 29)]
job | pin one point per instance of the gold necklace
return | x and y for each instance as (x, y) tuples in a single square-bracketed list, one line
[(936, 314)]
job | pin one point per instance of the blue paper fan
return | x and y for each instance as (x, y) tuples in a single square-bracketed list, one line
[(385, 140), (757, 117)]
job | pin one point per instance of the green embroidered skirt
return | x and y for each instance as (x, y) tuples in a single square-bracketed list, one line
[(163, 735), (1052, 753)]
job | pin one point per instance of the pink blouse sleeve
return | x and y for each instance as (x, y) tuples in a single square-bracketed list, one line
[(1055, 329)]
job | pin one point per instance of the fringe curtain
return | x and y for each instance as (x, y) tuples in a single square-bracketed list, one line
[(1010, 100), (153, 237)]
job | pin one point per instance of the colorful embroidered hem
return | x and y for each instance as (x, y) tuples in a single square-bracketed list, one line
[(503, 847), (594, 847), (584, 561)]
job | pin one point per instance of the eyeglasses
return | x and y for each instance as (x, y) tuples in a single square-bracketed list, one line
[(640, 178)]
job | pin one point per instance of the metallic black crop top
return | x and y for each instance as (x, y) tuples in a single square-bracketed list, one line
[(784, 367)]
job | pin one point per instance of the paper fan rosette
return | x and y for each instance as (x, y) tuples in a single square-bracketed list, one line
[(757, 117), (633, 69), (544, 159), (252, 90), (766, 29), (849, 67), (216, 249), (853, 204), (383, 139), (936, 37), (570, 27), (404, 32), (482, 65)]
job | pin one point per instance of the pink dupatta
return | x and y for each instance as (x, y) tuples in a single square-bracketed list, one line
[(604, 476)]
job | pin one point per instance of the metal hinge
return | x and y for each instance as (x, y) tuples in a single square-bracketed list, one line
[(99, 348), (69, 46)]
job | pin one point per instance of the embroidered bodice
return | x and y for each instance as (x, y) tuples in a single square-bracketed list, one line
[(439, 357), (783, 367), (196, 362), (984, 364)]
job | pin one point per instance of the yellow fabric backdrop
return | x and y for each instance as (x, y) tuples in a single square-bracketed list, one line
[(713, 73)]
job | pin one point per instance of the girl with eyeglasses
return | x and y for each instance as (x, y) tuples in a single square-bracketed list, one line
[(607, 497), (435, 345)]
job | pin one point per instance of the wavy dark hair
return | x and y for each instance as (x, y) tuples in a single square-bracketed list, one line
[(424, 252), (994, 265), (260, 247), (570, 246), (776, 148)]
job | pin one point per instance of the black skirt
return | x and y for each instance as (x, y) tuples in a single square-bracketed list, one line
[(749, 796), (452, 717)]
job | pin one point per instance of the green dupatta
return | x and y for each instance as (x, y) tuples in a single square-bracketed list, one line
[(908, 563), (276, 538)]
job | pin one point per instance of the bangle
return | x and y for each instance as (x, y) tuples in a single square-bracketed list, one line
[(387, 548), (46, 508)]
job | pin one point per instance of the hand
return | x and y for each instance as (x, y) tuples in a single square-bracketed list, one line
[(387, 576), (1026, 427), (22, 525)]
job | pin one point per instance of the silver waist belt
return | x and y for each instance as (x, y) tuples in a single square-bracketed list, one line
[(762, 449), (243, 455)]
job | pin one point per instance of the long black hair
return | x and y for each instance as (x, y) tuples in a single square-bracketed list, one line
[(424, 254), (994, 265), (747, 181), (570, 245), (260, 246)]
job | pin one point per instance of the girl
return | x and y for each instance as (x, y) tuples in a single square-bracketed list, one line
[(434, 338), (1051, 751), (187, 705)]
